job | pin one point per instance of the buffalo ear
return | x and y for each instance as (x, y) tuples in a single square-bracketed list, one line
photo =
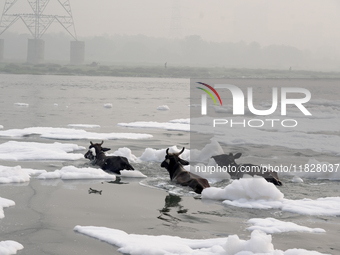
[(183, 162), (105, 149), (237, 155)]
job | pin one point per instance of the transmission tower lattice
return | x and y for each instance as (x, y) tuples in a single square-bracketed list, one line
[(37, 22)]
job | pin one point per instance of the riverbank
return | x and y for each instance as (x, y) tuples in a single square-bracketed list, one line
[(96, 69)]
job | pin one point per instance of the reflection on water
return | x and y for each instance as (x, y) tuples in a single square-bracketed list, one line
[(171, 201)]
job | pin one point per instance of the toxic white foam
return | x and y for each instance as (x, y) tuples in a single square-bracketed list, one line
[(259, 243), (297, 138), (10, 247), (273, 226), (70, 134), (74, 173), (17, 174), (15, 151), (256, 192), (158, 125), (321, 170), (163, 108), (132, 174), (83, 126), (5, 203), (21, 104)]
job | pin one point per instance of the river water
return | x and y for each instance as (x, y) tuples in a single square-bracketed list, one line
[(46, 211)]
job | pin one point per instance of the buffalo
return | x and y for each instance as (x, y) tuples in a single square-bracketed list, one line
[(238, 170), (110, 164), (174, 164)]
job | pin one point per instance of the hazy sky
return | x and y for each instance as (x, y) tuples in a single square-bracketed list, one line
[(306, 24)]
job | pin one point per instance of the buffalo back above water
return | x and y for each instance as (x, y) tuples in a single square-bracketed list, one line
[(113, 164), (238, 170)]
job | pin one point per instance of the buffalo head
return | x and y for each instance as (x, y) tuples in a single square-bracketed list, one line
[(173, 158), (94, 150)]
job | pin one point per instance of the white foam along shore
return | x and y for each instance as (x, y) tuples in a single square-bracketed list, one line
[(70, 134), (10, 247), (259, 243), (257, 193)]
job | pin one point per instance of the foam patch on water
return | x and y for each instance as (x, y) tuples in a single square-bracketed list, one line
[(297, 138), (108, 105), (257, 193), (163, 108), (259, 243), (16, 151), (157, 125), (74, 173), (17, 174), (83, 126), (125, 152), (21, 104), (320, 170), (156, 155), (5, 203), (70, 134), (297, 179), (244, 189), (10, 247), (273, 226), (132, 174)]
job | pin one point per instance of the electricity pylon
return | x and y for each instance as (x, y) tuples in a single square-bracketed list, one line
[(37, 22)]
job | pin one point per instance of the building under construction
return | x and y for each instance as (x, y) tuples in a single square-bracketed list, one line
[(38, 23)]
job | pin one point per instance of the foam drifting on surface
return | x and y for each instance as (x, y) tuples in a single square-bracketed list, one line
[(10, 247), (273, 226), (74, 173), (17, 174), (321, 171), (21, 104), (108, 105), (257, 193), (5, 203), (158, 155), (70, 134), (297, 138), (158, 125), (132, 174), (259, 243), (163, 108), (17, 151), (83, 126)]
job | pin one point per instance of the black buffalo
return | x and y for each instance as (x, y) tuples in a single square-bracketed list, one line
[(174, 164), (110, 164), (238, 170)]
